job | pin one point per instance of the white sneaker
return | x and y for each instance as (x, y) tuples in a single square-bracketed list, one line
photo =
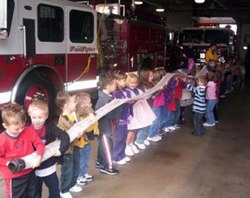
[(66, 195), (129, 151), (171, 128), (208, 125), (127, 159), (177, 126), (146, 142), (153, 139), (75, 188), (165, 129), (157, 137), (81, 181), (88, 177), (140, 146), (134, 149), (120, 162)]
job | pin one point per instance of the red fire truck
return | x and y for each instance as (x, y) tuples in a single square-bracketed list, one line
[(127, 42), (203, 37), (49, 45), (44, 46)]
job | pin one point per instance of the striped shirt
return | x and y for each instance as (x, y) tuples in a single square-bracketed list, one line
[(199, 103)]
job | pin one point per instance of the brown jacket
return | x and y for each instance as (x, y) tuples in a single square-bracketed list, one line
[(65, 124)]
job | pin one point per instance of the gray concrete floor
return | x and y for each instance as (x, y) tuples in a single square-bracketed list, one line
[(216, 165)]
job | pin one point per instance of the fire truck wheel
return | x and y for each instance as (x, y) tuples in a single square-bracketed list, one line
[(34, 87)]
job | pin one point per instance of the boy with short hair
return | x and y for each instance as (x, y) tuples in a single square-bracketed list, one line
[(70, 165), (16, 142), (84, 109), (104, 155), (48, 132), (199, 104)]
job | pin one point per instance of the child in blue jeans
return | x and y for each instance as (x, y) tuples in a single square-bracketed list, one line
[(199, 103), (70, 165), (83, 110)]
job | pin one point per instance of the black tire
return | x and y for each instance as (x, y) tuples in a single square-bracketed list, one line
[(43, 83)]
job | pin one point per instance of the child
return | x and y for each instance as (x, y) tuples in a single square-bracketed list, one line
[(157, 107), (143, 116), (121, 128), (199, 104), (104, 155), (70, 165), (15, 142), (48, 132), (211, 100), (170, 102), (145, 82), (83, 110)]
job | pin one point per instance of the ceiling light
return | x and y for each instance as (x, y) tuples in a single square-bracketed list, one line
[(159, 9), (138, 2), (199, 1)]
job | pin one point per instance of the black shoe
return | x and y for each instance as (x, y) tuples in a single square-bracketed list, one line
[(112, 171)]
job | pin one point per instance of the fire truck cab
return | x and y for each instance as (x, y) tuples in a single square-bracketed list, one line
[(202, 38), (45, 46)]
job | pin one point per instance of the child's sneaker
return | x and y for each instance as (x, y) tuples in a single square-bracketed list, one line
[(129, 151), (134, 149), (158, 138), (165, 129), (140, 146), (88, 177), (177, 126), (153, 139), (127, 159), (66, 195), (171, 128), (75, 188), (208, 125), (120, 162), (98, 165), (112, 171), (81, 181), (146, 142)]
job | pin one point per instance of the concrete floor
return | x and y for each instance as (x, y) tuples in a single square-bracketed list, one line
[(216, 165)]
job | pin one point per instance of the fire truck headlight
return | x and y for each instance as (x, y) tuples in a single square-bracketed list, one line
[(202, 55)]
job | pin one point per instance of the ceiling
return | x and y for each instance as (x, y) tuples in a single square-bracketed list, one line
[(238, 9)]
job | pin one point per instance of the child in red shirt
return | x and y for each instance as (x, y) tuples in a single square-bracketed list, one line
[(16, 142)]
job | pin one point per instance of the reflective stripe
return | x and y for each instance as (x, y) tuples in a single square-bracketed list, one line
[(107, 151), (5, 97), (78, 85)]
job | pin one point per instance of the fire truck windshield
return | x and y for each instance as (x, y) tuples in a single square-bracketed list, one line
[(194, 36), (216, 36), (219, 36)]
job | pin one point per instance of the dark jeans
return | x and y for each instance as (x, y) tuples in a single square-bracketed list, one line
[(198, 123), (52, 182), (215, 111), (69, 170)]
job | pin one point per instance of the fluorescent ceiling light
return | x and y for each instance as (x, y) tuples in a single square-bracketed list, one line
[(138, 2), (159, 9), (199, 1)]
